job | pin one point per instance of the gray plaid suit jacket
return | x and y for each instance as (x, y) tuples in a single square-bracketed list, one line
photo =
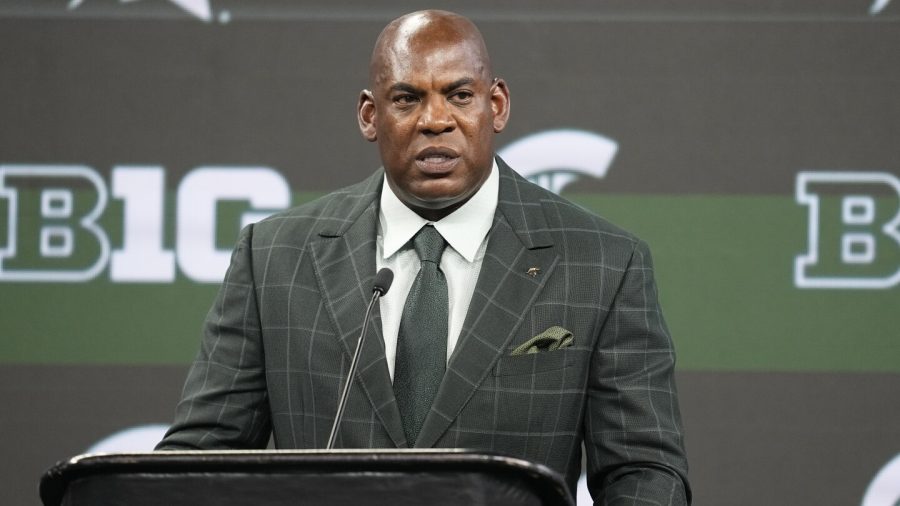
[(278, 340)]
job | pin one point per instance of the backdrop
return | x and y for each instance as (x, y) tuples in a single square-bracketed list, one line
[(753, 144)]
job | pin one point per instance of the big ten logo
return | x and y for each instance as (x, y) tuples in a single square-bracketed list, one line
[(56, 229), (853, 230)]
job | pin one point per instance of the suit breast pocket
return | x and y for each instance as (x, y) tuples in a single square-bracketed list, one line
[(534, 363)]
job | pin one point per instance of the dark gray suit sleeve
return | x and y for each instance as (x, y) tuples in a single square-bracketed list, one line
[(633, 434), (224, 404)]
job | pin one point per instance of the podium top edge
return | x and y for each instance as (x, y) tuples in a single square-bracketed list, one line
[(339, 451), (56, 479), (451, 455)]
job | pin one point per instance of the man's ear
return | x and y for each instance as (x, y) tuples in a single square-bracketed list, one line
[(500, 104), (365, 114)]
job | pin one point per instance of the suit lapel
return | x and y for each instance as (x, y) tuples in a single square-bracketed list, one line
[(503, 295), (344, 263)]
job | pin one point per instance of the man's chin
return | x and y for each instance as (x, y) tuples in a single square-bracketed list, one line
[(438, 194), (435, 198), (436, 206)]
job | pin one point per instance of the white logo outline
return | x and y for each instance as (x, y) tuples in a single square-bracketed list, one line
[(884, 489), (200, 9), (88, 222), (553, 159), (811, 200), (878, 6)]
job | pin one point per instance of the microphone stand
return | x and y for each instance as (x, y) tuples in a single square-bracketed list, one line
[(382, 283)]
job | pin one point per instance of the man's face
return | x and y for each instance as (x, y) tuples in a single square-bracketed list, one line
[(434, 110)]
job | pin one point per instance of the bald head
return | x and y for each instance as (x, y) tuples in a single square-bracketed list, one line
[(423, 32)]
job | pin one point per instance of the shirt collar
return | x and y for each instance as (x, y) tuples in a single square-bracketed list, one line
[(463, 229)]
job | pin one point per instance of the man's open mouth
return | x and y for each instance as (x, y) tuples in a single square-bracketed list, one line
[(437, 160)]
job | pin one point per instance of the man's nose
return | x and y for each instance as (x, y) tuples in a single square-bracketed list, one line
[(436, 118)]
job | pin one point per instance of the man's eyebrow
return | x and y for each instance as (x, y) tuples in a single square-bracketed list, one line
[(457, 84), (408, 88)]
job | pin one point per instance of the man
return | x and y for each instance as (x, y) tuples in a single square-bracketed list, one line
[(525, 325)]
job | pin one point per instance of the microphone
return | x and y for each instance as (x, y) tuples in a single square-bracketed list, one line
[(383, 280)]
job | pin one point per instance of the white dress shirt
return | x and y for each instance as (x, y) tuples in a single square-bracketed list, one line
[(465, 231)]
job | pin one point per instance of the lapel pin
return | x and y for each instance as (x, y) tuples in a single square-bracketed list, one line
[(533, 271)]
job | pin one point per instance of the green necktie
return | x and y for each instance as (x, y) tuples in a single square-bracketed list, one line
[(422, 340)]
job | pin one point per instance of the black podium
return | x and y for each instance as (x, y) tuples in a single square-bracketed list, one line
[(281, 478)]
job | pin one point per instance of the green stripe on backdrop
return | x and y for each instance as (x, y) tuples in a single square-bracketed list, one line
[(724, 266)]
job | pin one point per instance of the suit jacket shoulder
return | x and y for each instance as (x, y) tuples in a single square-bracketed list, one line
[(548, 218), (326, 216)]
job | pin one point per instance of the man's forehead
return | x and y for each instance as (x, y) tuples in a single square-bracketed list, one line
[(451, 60), (422, 43)]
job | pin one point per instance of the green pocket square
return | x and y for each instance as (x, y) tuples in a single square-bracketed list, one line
[(551, 339)]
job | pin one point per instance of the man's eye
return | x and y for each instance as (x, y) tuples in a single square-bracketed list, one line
[(462, 96), (405, 99)]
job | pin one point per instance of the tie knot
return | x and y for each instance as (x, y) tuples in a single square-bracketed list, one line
[(429, 244)]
